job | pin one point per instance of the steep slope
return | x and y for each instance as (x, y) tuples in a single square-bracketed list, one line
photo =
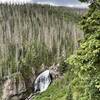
[(86, 63), (41, 28), (32, 35)]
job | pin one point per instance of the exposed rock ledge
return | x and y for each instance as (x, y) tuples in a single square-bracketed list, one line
[(15, 88)]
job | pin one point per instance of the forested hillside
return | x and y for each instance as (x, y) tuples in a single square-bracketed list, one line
[(82, 78), (34, 35), (27, 29)]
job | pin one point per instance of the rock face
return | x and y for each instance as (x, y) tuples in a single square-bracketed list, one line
[(14, 89), (42, 81), (8, 90), (54, 71)]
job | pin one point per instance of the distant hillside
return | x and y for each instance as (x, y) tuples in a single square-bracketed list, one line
[(21, 25)]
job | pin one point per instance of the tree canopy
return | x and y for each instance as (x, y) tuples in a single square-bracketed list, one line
[(85, 64)]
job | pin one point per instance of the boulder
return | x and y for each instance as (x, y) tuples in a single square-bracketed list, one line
[(14, 87)]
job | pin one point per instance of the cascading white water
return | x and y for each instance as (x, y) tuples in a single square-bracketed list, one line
[(42, 81)]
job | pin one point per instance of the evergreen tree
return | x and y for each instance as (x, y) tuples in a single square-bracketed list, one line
[(86, 63)]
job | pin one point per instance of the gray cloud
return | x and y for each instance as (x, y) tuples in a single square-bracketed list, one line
[(60, 2), (70, 3)]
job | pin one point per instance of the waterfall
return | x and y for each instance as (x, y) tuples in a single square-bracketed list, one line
[(42, 81)]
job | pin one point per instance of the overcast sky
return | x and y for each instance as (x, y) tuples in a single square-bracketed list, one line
[(70, 3)]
